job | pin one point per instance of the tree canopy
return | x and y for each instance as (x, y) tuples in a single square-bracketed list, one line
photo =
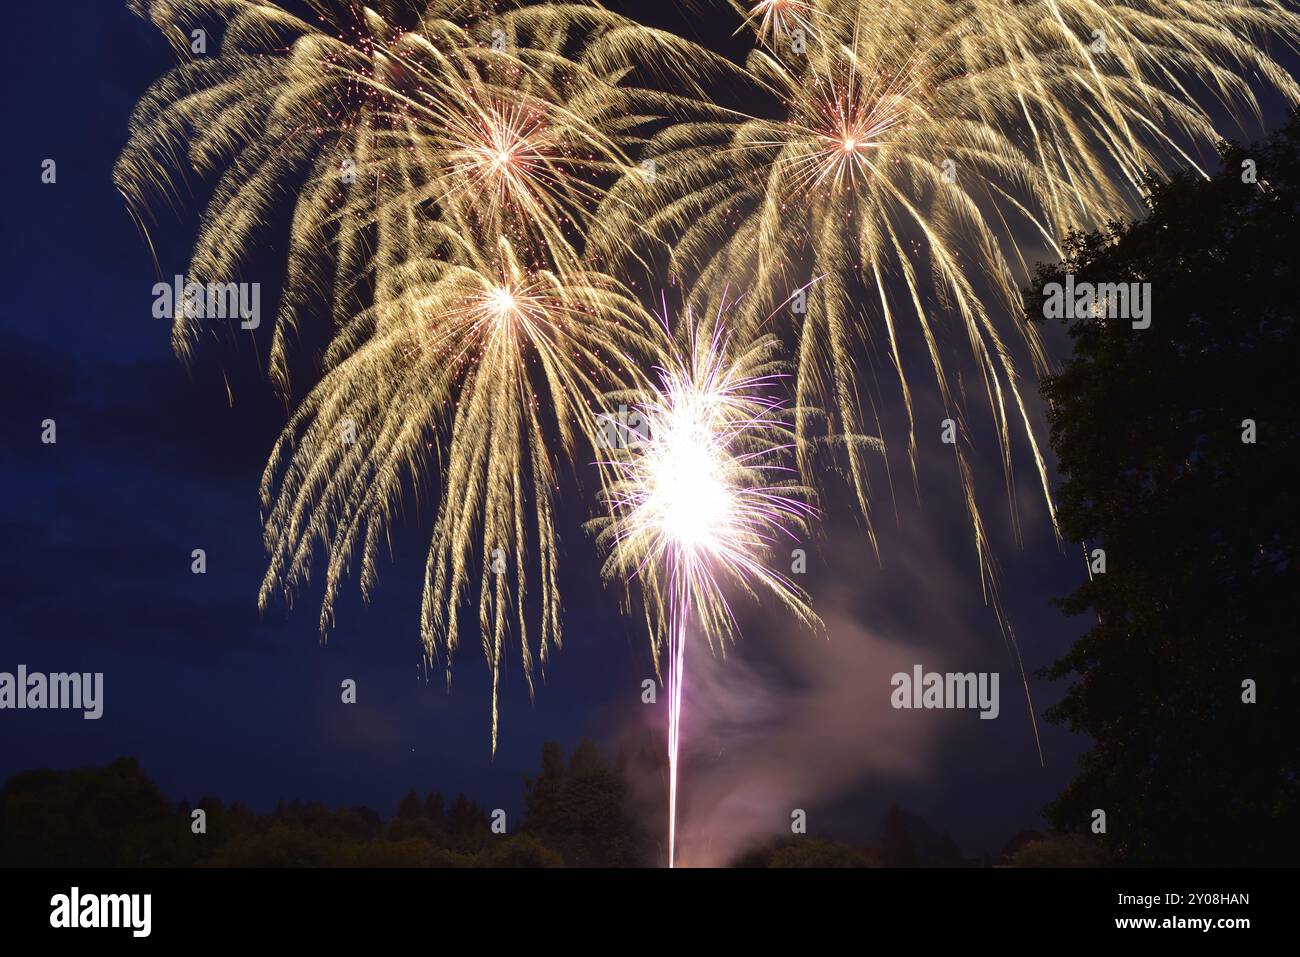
[(1177, 447)]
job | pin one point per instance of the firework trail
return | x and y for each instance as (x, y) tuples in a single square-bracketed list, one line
[(700, 496)]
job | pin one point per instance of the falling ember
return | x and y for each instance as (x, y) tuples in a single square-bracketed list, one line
[(699, 500)]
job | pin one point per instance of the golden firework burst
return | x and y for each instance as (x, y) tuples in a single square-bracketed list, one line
[(485, 373), (908, 150)]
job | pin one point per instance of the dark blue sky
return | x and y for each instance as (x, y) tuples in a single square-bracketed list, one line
[(152, 461)]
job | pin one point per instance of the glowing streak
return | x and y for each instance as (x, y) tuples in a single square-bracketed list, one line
[(676, 668), (700, 501)]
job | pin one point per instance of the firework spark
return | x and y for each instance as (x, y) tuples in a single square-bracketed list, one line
[(776, 20), (698, 501)]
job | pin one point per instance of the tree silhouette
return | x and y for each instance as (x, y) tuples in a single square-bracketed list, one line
[(115, 816), (1153, 430), (410, 807), (581, 809), (908, 841), (435, 810), (112, 816)]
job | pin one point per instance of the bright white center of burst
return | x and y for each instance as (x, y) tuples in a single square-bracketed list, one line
[(502, 302), (850, 144), (690, 498)]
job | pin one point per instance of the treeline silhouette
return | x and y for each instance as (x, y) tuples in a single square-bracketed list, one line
[(115, 816), (577, 814)]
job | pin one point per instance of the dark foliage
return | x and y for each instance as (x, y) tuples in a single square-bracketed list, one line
[(1199, 527), (112, 816), (908, 841), (581, 809), (115, 816), (808, 852)]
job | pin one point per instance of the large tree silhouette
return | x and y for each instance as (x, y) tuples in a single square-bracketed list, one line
[(580, 808), (1178, 450)]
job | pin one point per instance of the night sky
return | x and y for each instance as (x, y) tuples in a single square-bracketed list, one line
[(153, 460)]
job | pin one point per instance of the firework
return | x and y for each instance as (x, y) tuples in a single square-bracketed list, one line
[(701, 495), (495, 365), (371, 126), (907, 151), (468, 204), (440, 161)]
